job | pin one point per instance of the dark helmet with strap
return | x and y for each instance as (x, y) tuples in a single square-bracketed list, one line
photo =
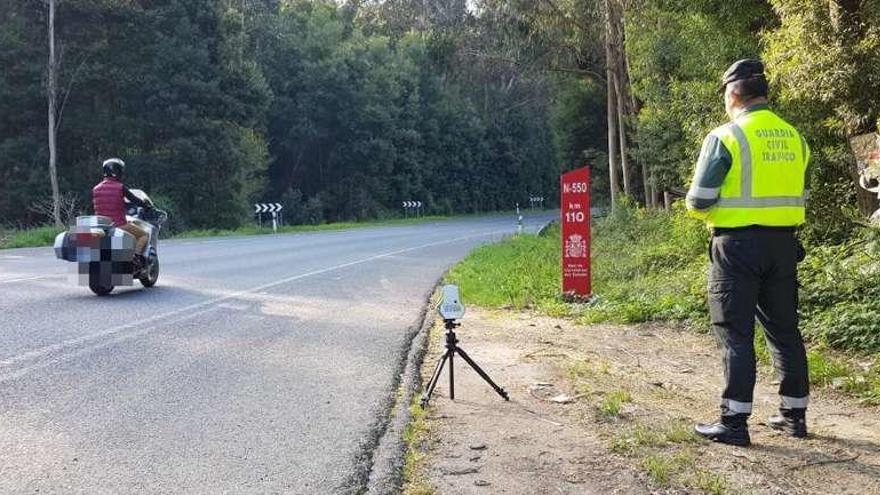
[(113, 167)]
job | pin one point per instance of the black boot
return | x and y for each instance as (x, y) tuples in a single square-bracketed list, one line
[(731, 430), (791, 421)]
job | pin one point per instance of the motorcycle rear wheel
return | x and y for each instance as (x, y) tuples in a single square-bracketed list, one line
[(100, 290)]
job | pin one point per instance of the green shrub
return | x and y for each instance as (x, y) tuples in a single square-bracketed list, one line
[(648, 265), (840, 298)]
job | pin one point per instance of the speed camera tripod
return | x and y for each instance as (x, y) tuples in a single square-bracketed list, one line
[(451, 349)]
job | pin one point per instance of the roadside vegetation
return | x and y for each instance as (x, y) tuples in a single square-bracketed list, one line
[(417, 433), (651, 266), (35, 237)]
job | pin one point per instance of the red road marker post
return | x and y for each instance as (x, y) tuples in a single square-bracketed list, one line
[(575, 210)]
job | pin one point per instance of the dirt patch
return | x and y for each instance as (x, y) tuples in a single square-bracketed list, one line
[(609, 409)]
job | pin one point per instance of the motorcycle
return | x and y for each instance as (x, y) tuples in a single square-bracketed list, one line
[(105, 254)]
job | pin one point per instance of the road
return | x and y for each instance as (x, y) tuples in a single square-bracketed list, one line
[(261, 364)]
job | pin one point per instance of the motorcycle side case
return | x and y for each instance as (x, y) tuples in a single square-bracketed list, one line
[(65, 249)]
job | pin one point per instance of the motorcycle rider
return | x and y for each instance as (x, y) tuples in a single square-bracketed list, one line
[(107, 198)]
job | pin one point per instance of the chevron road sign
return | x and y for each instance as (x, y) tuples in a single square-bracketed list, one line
[(273, 208), (268, 207), (412, 205)]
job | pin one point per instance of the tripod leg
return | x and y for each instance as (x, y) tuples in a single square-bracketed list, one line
[(434, 379), (451, 353), (482, 373)]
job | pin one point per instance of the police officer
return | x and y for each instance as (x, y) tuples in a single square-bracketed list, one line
[(749, 188)]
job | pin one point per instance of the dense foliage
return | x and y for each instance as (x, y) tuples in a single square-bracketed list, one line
[(330, 108)]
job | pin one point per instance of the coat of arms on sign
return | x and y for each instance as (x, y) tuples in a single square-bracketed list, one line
[(575, 247)]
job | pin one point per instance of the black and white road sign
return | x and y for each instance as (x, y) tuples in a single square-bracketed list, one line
[(268, 207), (412, 204), (273, 208)]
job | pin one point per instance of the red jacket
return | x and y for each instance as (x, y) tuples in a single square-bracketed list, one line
[(107, 200)]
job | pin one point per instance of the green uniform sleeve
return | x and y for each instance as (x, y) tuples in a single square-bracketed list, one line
[(712, 167)]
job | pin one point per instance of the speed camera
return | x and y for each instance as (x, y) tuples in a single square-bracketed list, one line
[(450, 307)]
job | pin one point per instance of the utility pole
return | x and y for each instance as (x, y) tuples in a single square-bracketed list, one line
[(52, 96)]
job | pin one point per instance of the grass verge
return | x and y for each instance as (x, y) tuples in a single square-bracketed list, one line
[(415, 480), (36, 237)]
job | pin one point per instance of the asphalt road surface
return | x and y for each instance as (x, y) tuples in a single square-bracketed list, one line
[(258, 364)]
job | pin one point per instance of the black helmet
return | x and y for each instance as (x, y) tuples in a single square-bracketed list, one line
[(114, 167)]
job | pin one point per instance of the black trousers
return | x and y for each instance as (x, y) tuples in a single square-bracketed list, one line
[(754, 274)]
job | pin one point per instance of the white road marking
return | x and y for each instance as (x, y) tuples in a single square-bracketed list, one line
[(204, 305), (94, 347), (25, 279)]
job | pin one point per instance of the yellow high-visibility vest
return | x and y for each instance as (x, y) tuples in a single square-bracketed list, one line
[(765, 183)]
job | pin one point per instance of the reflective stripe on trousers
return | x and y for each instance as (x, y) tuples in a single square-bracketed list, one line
[(730, 407), (794, 402)]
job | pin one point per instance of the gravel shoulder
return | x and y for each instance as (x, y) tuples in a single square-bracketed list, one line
[(608, 409)]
